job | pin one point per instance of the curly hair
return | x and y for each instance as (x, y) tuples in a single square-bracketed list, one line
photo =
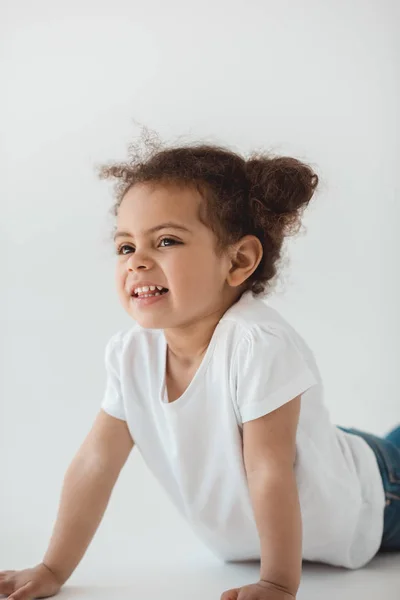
[(262, 195)]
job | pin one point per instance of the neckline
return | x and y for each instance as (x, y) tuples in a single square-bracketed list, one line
[(196, 379)]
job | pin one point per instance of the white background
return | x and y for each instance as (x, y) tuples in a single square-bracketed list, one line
[(316, 80)]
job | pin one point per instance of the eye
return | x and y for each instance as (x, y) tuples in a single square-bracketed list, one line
[(169, 240), (120, 249)]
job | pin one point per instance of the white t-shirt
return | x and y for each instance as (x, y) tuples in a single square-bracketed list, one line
[(255, 362)]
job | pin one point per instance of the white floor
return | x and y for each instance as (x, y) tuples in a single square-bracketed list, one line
[(116, 568), (379, 581), (143, 550)]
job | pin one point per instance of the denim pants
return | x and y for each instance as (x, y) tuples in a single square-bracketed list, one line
[(387, 452)]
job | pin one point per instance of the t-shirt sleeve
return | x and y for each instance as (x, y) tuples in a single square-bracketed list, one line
[(271, 371), (112, 402)]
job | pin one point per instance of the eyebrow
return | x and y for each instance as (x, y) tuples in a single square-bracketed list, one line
[(168, 225)]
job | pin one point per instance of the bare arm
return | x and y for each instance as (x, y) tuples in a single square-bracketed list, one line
[(269, 454), (86, 490)]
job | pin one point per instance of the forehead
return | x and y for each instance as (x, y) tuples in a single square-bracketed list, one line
[(144, 204)]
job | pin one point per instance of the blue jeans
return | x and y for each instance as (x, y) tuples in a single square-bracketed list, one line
[(387, 452)]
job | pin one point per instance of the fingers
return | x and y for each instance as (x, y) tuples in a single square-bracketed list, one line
[(4, 574), (23, 593), (6, 583), (6, 587), (230, 594)]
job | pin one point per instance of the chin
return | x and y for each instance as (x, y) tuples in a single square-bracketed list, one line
[(147, 322)]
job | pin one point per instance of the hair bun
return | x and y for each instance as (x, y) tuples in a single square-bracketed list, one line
[(281, 184)]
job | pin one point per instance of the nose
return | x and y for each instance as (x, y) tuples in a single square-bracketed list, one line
[(138, 260)]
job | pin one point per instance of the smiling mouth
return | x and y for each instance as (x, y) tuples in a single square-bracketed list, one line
[(151, 294)]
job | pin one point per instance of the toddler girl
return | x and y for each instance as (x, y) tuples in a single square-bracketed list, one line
[(221, 395)]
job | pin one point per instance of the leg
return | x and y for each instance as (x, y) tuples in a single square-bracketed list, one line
[(394, 436), (387, 452)]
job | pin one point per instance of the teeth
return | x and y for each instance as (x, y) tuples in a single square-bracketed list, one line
[(150, 295), (147, 288)]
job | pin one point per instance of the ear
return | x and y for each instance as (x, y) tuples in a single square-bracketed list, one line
[(245, 255)]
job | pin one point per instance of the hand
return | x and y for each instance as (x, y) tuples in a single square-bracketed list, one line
[(28, 584), (262, 590)]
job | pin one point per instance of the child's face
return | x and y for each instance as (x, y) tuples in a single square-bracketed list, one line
[(185, 262)]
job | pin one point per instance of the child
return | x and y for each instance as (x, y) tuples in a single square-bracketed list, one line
[(221, 395)]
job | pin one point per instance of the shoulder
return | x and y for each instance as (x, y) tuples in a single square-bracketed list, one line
[(270, 367), (256, 326), (250, 308), (261, 342), (135, 338), (268, 346), (120, 338)]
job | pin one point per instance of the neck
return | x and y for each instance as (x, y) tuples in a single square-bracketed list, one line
[(188, 344)]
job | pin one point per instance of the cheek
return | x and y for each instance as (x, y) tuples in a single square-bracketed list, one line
[(120, 279), (203, 277)]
